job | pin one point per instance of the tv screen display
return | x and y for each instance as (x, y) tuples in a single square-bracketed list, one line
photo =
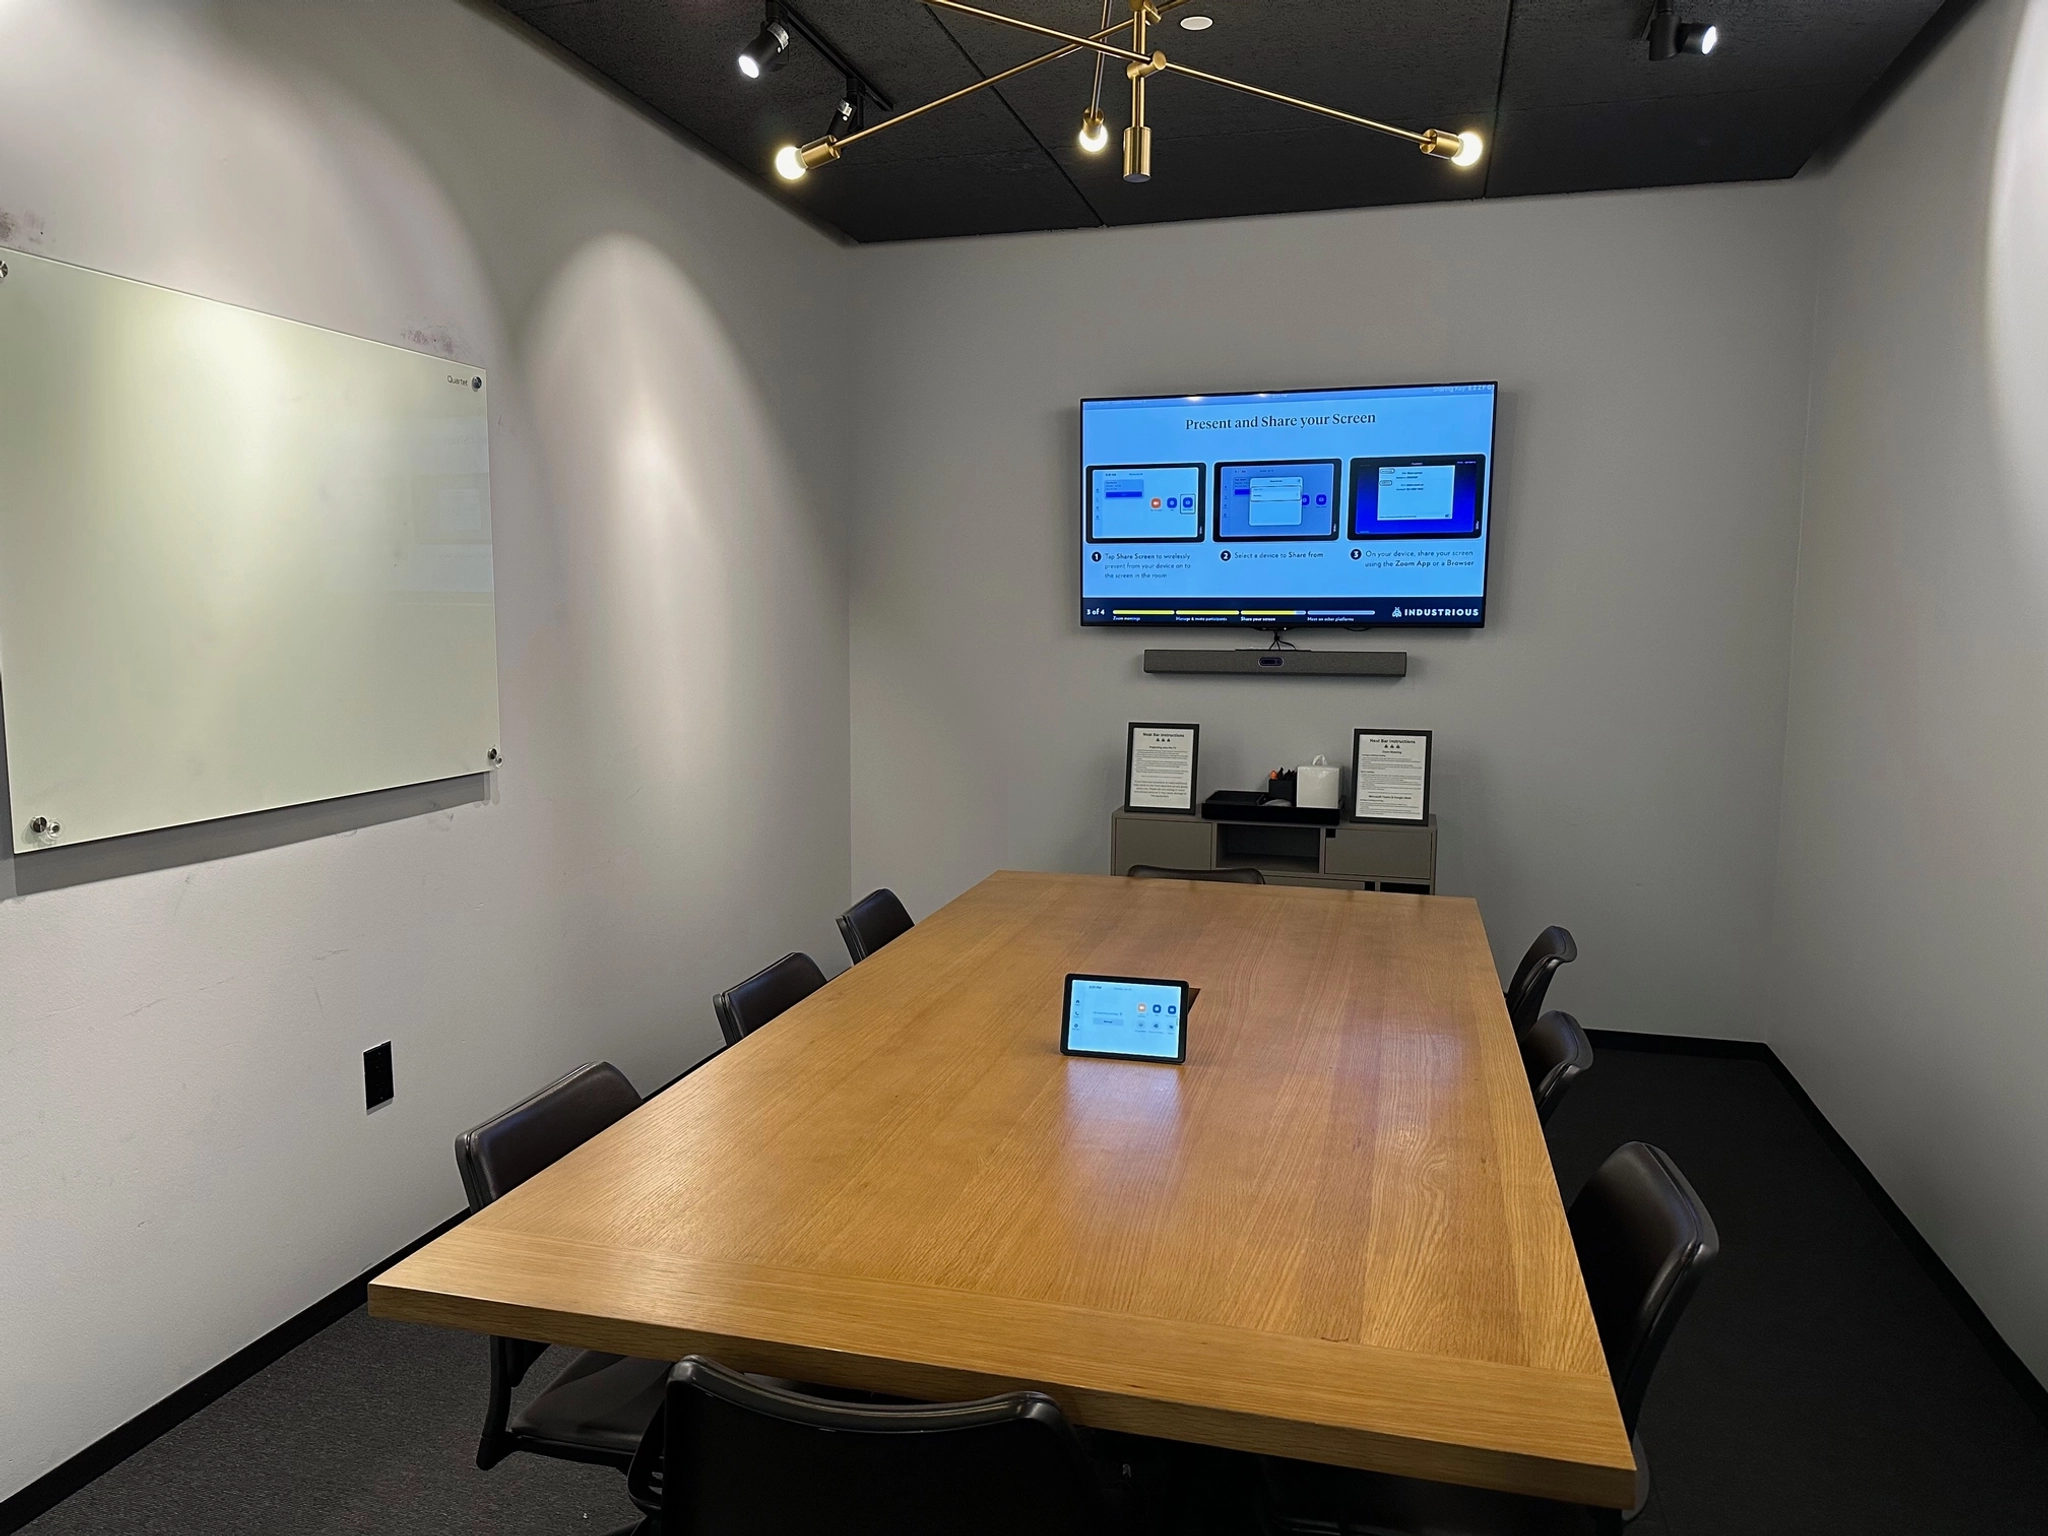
[(1315, 506)]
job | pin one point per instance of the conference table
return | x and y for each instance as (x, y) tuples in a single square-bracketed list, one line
[(1333, 1234)]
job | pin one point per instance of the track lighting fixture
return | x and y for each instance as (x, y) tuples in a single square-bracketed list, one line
[(1669, 37), (1141, 63), (768, 52)]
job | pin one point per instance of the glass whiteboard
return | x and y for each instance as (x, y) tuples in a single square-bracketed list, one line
[(244, 562)]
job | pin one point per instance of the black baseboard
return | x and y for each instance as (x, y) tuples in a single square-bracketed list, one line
[(110, 1450), (2014, 1369)]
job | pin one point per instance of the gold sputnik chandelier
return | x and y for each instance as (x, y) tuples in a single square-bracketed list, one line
[(1141, 63)]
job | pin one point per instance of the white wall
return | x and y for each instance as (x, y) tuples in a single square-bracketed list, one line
[(1913, 896), (1608, 748), (186, 1157)]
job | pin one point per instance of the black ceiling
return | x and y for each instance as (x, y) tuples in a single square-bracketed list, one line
[(1563, 90)]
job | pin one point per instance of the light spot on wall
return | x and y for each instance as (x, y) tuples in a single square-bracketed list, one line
[(2016, 315)]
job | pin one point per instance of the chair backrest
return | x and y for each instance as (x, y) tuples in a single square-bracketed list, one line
[(1554, 1052), (1554, 946), (1224, 876), (1643, 1240), (743, 1458), (509, 1148), (765, 995), (872, 922)]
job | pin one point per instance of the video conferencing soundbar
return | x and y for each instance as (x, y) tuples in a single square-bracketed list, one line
[(1282, 663)]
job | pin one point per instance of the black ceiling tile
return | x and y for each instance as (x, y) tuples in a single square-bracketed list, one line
[(1565, 52), (1307, 166), (686, 69), (1607, 146), (1566, 85), (981, 194), (1396, 75)]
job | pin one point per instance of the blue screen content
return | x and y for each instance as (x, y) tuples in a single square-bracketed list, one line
[(1124, 1018), (1277, 501), (1368, 507), (1145, 503), (1415, 498)]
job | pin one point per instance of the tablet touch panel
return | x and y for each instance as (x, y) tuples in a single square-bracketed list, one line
[(1129, 1017)]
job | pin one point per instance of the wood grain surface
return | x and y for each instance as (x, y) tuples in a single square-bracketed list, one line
[(1334, 1233)]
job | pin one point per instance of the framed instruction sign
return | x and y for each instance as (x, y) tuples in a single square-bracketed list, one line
[(1159, 768), (1390, 776)]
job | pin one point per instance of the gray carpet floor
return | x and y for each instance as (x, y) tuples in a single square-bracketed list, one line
[(370, 1427), (1821, 1383)]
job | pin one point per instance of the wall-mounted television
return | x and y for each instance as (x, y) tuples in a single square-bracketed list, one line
[(1315, 506)]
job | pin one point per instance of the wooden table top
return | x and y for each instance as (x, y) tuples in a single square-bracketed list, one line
[(1333, 1234)]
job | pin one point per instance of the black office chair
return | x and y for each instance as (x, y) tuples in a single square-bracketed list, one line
[(872, 922), (734, 1456), (765, 995), (1554, 946), (1643, 1240), (598, 1406), (1555, 1052), (1222, 876)]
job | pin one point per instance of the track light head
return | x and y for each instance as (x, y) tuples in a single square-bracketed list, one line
[(768, 52), (1461, 149), (1094, 137), (1669, 37)]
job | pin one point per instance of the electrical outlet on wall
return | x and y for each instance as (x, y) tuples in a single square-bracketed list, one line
[(377, 1088)]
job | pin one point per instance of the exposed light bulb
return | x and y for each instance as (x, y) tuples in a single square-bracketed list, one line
[(1470, 148), (1094, 136), (789, 163)]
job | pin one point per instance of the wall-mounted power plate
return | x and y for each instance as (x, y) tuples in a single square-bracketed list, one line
[(377, 1089)]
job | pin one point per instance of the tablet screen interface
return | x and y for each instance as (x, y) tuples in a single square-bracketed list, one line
[(1112, 1016)]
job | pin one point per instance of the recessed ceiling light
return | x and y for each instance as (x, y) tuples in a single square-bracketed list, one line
[(1197, 23)]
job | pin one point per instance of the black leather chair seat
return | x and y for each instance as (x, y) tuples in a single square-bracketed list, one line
[(878, 918), (597, 1402)]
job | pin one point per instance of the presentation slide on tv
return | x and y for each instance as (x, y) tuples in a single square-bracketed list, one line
[(1332, 506)]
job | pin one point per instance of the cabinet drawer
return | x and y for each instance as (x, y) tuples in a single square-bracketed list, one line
[(1172, 842), (1382, 853)]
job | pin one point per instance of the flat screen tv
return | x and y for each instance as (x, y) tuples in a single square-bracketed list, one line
[(1363, 507)]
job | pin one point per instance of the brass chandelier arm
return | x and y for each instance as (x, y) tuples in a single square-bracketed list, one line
[(1157, 60), (1031, 26), (1292, 101), (792, 162), (987, 80)]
